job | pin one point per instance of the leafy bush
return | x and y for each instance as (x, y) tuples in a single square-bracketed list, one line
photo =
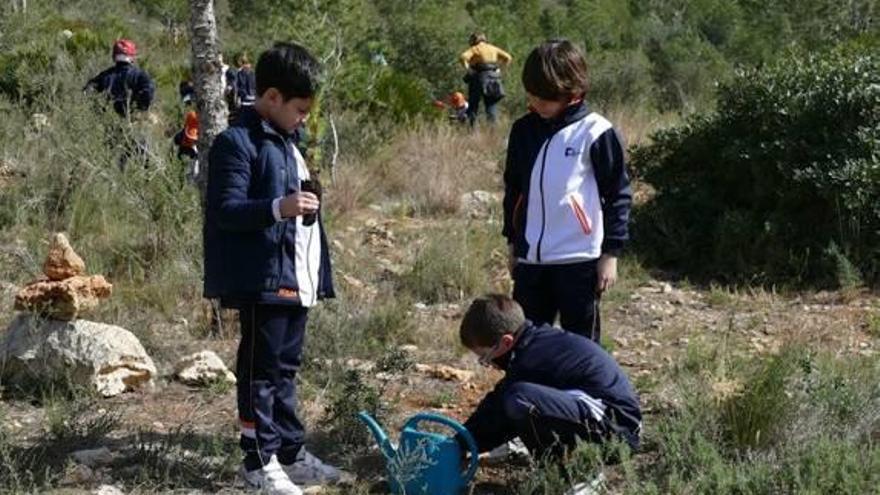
[(781, 183)]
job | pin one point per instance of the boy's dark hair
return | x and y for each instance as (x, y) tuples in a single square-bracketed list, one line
[(488, 319), (290, 69), (556, 70)]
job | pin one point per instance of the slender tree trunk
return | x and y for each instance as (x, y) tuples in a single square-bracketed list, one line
[(208, 82)]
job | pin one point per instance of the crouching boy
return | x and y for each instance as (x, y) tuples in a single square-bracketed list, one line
[(558, 388)]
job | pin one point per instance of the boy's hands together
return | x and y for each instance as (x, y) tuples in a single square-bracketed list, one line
[(606, 273), (298, 203)]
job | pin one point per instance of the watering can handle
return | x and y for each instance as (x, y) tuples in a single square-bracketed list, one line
[(460, 429)]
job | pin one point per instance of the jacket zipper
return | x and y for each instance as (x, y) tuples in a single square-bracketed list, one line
[(543, 207), (283, 239)]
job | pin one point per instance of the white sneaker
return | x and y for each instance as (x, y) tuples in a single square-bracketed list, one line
[(514, 449), (271, 479), (592, 487), (309, 470)]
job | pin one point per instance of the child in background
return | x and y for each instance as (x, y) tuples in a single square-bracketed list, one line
[(187, 138), (483, 62), (458, 107)]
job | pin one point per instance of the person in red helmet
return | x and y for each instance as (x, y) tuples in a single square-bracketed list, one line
[(126, 85), (458, 107)]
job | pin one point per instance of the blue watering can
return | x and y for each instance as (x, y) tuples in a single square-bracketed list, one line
[(425, 463)]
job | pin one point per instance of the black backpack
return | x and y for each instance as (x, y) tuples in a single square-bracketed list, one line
[(493, 90)]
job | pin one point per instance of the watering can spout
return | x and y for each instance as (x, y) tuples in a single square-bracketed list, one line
[(381, 438)]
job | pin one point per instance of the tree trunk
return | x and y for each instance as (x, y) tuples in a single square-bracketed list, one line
[(208, 82)]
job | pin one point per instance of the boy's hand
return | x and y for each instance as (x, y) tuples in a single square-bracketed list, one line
[(606, 273), (298, 203)]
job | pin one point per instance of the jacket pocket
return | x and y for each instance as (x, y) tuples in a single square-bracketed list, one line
[(580, 214)]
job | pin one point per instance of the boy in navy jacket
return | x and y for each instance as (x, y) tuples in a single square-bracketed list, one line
[(567, 195), (558, 388), (126, 85), (266, 254)]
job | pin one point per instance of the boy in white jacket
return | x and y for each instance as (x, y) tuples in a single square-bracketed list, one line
[(567, 195)]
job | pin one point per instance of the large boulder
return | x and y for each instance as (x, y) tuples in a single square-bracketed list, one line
[(106, 357)]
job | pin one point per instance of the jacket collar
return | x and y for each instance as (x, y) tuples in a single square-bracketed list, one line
[(570, 115), (526, 335), (251, 119)]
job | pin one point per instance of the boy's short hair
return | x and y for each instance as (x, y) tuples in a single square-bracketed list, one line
[(556, 70), (488, 319), (290, 69)]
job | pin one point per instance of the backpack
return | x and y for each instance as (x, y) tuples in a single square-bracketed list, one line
[(493, 90)]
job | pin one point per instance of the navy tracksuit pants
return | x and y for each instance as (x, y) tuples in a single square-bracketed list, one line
[(269, 356), (545, 291), (551, 421)]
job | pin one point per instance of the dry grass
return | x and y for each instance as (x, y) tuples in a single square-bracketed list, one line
[(637, 124), (425, 168)]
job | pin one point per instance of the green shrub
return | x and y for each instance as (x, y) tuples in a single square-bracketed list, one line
[(757, 416), (781, 183), (357, 393)]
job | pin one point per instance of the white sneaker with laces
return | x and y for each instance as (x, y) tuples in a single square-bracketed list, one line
[(271, 479), (309, 470), (591, 487), (514, 449)]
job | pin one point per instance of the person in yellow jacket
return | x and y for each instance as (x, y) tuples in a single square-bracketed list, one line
[(483, 62)]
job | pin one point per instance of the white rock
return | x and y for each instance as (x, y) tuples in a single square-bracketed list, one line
[(40, 121), (202, 368), (109, 358), (478, 204), (108, 490), (93, 457), (666, 288)]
